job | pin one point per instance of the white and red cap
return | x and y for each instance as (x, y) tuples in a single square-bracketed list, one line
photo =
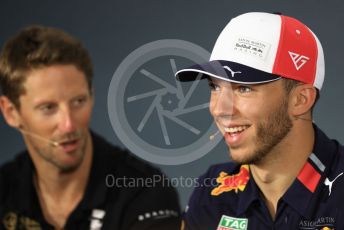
[(261, 47)]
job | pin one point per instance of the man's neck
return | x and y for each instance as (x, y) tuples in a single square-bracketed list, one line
[(59, 192), (275, 174)]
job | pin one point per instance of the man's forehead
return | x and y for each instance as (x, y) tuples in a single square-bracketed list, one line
[(53, 73), (50, 80)]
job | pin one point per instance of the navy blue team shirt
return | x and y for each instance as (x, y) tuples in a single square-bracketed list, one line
[(228, 198)]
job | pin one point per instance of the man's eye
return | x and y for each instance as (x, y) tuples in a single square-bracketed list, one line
[(47, 108), (212, 86), (244, 89), (79, 101)]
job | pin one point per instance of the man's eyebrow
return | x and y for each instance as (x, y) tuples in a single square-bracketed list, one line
[(209, 79)]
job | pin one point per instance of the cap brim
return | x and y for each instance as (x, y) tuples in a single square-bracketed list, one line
[(226, 70)]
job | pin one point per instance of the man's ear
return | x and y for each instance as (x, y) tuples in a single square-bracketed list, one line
[(303, 98), (10, 112)]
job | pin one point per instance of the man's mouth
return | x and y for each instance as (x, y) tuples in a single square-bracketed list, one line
[(69, 145), (236, 129), (68, 142), (234, 135)]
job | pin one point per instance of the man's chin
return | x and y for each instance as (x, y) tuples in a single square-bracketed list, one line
[(241, 157), (68, 168)]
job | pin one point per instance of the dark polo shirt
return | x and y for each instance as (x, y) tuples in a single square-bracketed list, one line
[(120, 194), (228, 197)]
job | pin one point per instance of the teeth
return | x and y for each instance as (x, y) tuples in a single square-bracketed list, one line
[(235, 129)]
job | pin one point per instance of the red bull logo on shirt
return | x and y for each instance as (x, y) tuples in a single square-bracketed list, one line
[(232, 182)]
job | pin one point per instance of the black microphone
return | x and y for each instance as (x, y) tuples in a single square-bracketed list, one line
[(53, 143), (211, 137)]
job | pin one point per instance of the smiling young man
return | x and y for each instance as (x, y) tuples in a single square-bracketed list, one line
[(265, 73), (61, 181)]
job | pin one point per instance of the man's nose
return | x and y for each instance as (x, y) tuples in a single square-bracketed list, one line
[(222, 104), (66, 121)]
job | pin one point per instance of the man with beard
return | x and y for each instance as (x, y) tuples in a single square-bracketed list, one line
[(69, 177), (265, 73)]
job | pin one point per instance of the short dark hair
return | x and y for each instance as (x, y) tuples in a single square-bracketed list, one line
[(35, 47)]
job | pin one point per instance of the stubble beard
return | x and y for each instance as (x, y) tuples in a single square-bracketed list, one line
[(47, 154), (269, 134)]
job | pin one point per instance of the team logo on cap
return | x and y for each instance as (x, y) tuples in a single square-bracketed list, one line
[(232, 182), (298, 60), (230, 70)]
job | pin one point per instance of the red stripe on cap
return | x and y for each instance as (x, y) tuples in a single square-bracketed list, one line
[(299, 40), (309, 177)]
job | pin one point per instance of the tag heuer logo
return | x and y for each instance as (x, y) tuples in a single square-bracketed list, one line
[(231, 223)]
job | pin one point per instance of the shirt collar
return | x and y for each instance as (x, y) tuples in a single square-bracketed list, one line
[(241, 194), (96, 190), (23, 193), (102, 164), (305, 190), (248, 196)]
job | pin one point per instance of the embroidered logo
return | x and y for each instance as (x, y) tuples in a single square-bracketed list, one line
[(182, 226), (232, 223), (161, 214), (330, 183), (298, 60), (97, 219), (320, 223), (230, 70), (10, 221), (232, 182), (251, 47)]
